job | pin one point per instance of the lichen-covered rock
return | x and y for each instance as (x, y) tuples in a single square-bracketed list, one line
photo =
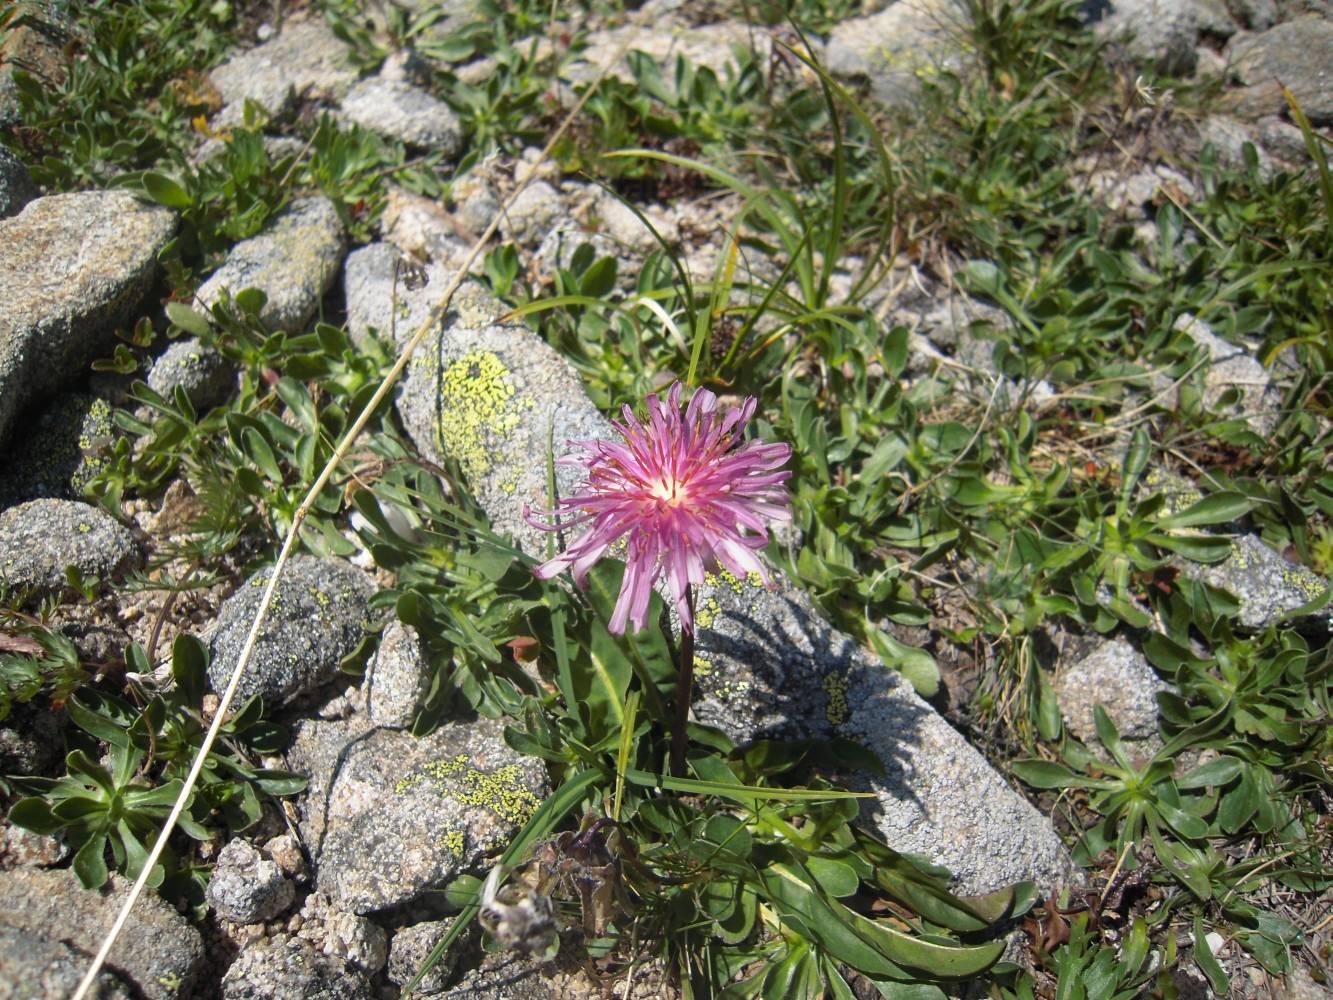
[(72, 266), (283, 967), (485, 394), (158, 953), (39, 539), (318, 616), (895, 48), (305, 61), (1299, 54), (1116, 676), (293, 263), (397, 678), (62, 448), (1265, 584), (39, 968), (246, 887), (204, 374), (400, 111), (711, 45), (16, 186), (390, 816)]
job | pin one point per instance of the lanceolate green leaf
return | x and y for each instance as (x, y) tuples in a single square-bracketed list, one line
[(748, 794)]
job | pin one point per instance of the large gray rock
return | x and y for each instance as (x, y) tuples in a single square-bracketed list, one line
[(284, 967), (39, 539), (1165, 33), (1296, 53), (317, 617), (38, 968), (400, 111), (390, 816), (246, 887), (158, 952), (305, 61), (489, 394), (62, 448), (16, 186), (902, 44), (72, 267), (410, 948), (531, 215), (293, 263), (1115, 675)]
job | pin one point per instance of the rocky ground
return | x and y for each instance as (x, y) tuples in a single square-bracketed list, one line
[(337, 893)]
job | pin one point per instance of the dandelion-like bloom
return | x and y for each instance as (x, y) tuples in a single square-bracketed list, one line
[(685, 492)]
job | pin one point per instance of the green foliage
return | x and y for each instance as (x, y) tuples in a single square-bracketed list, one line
[(130, 766), (36, 661), (131, 80)]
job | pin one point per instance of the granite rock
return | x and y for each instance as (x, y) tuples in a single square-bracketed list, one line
[(39, 539), (203, 373), (1115, 675), (246, 887), (710, 45), (64, 446), (32, 741), (531, 215), (1265, 584), (389, 293), (390, 816), (317, 617), (40, 968), (1299, 54), (397, 678), (284, 966), (1163, 33), (293, 263), (902, 44), (408, 952), (159, 954), (72, 267), (20, 848), (397, 110), (305, 61), (344, 935), (1233, 369)]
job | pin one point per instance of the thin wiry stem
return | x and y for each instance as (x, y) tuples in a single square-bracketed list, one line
[(344, 446), (684, 690)]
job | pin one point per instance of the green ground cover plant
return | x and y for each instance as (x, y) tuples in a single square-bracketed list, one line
[(982, 516)]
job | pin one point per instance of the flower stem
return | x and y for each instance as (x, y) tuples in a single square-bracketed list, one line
[(684, 689)]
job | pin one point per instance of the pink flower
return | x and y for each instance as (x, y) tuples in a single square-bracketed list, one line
[(685, 492)]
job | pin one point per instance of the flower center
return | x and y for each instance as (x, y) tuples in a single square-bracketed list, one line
[(669, 490)]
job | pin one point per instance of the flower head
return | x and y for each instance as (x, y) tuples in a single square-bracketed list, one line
[(684, 491)]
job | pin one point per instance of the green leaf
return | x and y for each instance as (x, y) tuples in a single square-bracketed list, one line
[(90, 862), (1136, 460), (1216, 508), (34, 815), (1207, 962), (837, 878), (1048, 774), (187, 319), (165, 190), (747, 794), (1216, 772), (918, 666), (189, 667)]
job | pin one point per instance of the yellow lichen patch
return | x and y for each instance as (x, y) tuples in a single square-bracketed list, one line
[(501, 791), (1310, 586), (702, 667), (477, 411), (835, 686), (453, 842), (706, 613)]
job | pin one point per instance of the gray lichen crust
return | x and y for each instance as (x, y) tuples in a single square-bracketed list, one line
[(72, 267), (317, 617), (39, 539)]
